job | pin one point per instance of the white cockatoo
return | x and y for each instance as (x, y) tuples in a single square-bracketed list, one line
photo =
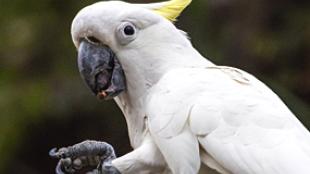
[(182, 110)]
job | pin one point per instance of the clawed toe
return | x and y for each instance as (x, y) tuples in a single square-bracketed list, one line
[(65, 166), (61, 153)]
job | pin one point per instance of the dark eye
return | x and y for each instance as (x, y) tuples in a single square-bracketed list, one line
[(126, 32), (129, 30)]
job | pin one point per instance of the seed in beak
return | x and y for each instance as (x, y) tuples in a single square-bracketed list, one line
[(102, 95)]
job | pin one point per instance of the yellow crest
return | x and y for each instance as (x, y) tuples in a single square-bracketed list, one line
[(172, 9)]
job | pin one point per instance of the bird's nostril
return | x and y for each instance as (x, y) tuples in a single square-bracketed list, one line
[(93, 40)]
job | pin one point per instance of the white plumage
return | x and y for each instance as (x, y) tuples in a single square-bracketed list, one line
[(236, 119), (182, 110)]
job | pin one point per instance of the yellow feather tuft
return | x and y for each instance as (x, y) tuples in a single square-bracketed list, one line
[(172, 9)]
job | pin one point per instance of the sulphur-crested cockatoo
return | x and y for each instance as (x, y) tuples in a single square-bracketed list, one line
[(181, 109)]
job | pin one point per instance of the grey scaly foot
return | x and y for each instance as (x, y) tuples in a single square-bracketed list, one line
[(106, 169), (85, 154)]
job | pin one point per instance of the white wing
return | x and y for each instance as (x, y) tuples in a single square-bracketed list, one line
[(241, 123)]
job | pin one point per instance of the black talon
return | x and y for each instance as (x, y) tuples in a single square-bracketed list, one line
[(59, 169), (53, 153), (65, 166), (61, 153)]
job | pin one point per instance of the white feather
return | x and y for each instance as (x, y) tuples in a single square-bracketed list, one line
[(242, 124)]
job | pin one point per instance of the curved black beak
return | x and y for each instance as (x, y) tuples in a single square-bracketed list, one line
[(100, 69)]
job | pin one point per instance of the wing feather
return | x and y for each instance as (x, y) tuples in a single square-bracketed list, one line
[(239, 121)]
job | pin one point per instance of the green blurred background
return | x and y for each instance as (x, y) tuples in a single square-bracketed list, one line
[(45, 104)]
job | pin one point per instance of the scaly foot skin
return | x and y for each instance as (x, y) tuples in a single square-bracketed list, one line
[(88, 154)]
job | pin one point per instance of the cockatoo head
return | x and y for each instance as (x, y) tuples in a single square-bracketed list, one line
[(117, 40)]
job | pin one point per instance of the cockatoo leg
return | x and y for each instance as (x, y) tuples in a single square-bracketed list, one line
[(145, 159), (88, 154)]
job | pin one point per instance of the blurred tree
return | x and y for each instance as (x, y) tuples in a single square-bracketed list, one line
[(44, 103)]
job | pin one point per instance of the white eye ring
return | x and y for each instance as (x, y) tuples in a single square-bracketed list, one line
[(126, 33)]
